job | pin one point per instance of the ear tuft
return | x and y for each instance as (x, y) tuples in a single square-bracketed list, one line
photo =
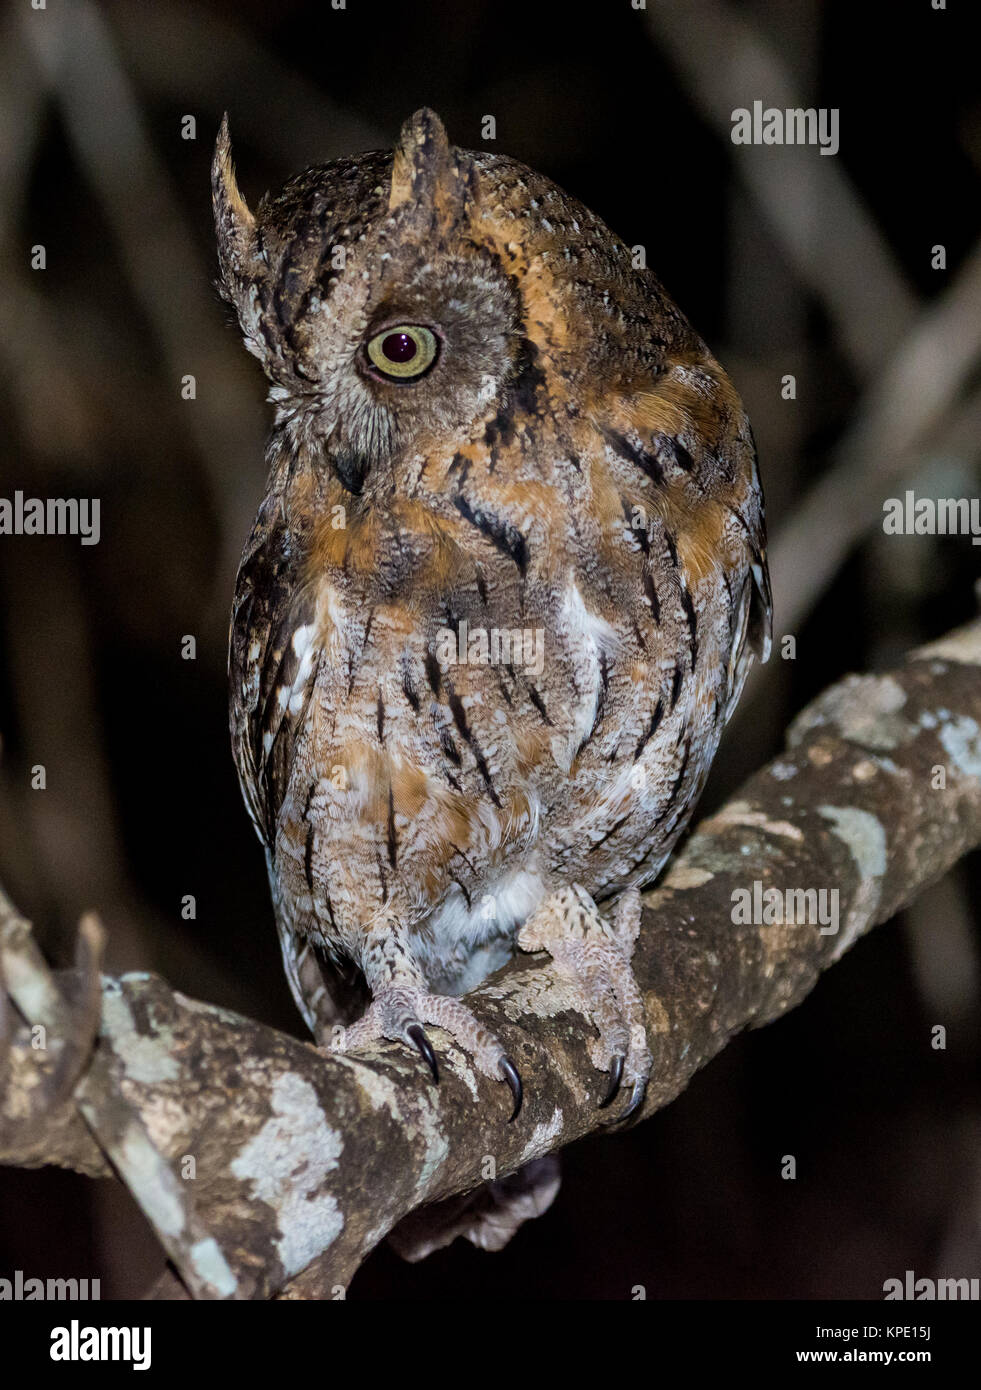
[(234, 223), (428, 174)]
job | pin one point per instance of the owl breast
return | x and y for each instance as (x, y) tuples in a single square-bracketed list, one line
[(504, 679)]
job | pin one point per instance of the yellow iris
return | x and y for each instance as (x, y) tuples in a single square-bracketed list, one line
[(402, 352)]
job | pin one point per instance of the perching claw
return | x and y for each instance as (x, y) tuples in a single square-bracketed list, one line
[(417, 1036), (616, 1076), (636, 1099), (510, 1074)]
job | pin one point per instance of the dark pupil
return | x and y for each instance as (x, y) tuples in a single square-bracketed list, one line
[(399, 347)]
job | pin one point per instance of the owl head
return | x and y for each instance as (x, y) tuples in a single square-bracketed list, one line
[(380, 316)]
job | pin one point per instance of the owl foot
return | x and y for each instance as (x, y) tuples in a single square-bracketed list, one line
[(398, 1012), (595, 954)]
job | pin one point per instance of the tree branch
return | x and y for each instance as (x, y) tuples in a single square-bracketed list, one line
[(267, 1168)]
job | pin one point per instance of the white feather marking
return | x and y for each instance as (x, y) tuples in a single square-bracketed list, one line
[(592, 634), (506, 902), (302, 638)]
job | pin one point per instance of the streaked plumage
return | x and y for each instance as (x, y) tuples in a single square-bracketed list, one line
[(575, 464)]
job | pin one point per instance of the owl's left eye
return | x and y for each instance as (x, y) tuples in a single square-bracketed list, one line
[(402, 352)]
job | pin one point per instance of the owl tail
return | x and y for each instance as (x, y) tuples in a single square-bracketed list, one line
[(433, 183), (488, 1217)]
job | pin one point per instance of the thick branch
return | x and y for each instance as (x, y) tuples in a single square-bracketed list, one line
[(267, 1168)]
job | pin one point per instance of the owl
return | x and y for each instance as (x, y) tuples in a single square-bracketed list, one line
[(500, 597)]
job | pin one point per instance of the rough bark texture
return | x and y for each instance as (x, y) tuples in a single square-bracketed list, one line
[(302, 1163)]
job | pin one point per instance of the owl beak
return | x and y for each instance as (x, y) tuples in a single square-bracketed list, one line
[(351, 469)]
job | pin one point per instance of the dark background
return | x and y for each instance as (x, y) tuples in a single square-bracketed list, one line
[(786, 261)]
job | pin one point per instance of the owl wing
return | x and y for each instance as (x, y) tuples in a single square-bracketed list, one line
[(752, 610), (272, 665)]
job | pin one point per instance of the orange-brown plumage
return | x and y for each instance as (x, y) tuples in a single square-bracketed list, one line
[(566, 497)]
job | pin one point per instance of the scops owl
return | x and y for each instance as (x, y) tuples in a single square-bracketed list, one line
[(500, 597)]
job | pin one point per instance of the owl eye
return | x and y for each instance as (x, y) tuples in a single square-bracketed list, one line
[(402, 352)]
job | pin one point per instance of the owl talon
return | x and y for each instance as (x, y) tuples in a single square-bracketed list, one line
[(636, 1099), (401, 1012), (417, 1036), (509, 1072), (594, 955), (616, 1075)]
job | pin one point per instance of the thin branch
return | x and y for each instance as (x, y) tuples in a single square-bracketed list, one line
[(809, 202), (912, 409), (201, 60), (79, 65), (293, 1166), (918, 364), (119, 1127)]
